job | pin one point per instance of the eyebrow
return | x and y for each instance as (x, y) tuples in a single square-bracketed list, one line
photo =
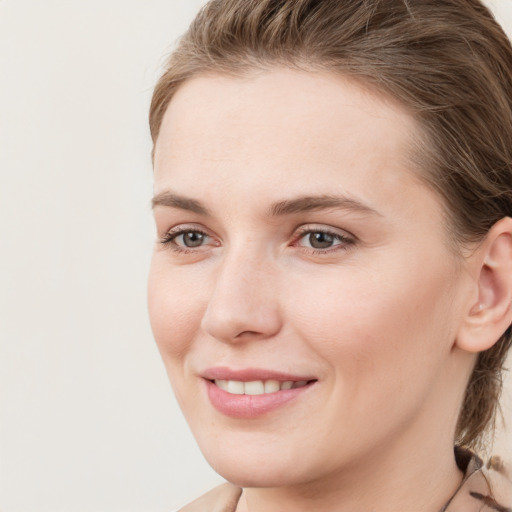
[(322, 202), (175, 201), (281, 208)]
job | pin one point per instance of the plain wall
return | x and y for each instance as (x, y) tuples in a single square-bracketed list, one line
[(87, 419)]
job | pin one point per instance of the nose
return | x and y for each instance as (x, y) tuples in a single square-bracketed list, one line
[(243, 304)]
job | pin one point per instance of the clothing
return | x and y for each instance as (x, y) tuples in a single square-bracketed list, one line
[(485, 488), (223, 498)]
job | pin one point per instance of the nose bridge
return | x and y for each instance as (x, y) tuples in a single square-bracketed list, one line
[(244, 301), (247, 268)]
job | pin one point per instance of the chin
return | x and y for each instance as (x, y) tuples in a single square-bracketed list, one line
[(246, 474), (253, 465)]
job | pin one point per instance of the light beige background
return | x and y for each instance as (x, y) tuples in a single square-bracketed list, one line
[(87, 419)]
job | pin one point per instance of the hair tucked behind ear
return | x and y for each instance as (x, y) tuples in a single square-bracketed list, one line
[(447, 61)]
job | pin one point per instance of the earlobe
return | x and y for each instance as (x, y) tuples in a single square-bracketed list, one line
[(491, 314)]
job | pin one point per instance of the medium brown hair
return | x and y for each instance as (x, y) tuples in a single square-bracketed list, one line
[(447, 61)]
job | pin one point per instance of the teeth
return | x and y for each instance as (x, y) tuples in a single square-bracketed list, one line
[(271, 386), (254, 388), (257, 387), (235, 387), (223, 384)]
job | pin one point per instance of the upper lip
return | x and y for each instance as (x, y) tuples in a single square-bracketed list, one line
[(251, 374)]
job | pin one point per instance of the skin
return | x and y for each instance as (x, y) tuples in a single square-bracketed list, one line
[(375, 317)]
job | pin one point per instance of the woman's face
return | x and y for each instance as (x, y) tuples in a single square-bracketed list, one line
[(296, 248)]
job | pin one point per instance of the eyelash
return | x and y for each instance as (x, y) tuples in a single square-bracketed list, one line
[(345, 242)]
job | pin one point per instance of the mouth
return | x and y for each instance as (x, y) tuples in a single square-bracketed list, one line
[(249, 394), (258, 387)]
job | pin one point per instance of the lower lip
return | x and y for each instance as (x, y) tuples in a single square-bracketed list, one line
[(251, 406)]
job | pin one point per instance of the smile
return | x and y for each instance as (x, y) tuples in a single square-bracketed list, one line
[(252, 393), (257, 387)]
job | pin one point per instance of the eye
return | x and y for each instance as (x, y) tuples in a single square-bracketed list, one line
[(191, 239), (322, 240), (183, 239)]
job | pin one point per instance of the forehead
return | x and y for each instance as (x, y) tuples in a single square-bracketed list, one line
[(276, 128), (295, 105)]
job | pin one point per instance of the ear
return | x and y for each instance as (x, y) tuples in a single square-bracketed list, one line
[(490, 315)]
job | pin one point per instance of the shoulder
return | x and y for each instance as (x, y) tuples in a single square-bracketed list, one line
[(223, 498)]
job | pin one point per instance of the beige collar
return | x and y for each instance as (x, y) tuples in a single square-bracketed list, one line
[(223, 498)]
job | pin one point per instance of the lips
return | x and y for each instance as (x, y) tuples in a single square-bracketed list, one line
[(250, 393)]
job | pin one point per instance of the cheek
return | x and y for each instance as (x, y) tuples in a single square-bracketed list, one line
[(175, 310), (379, 330), (382, 340)]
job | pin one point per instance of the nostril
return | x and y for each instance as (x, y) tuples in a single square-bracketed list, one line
[(248, 333)]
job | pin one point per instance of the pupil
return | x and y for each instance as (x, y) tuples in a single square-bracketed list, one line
[(321, 240), (193, 239)]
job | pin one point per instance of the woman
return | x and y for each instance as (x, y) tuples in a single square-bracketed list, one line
[(331, 290)]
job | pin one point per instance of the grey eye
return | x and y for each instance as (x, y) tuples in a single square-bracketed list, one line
[(319, 240), (192, 238)]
